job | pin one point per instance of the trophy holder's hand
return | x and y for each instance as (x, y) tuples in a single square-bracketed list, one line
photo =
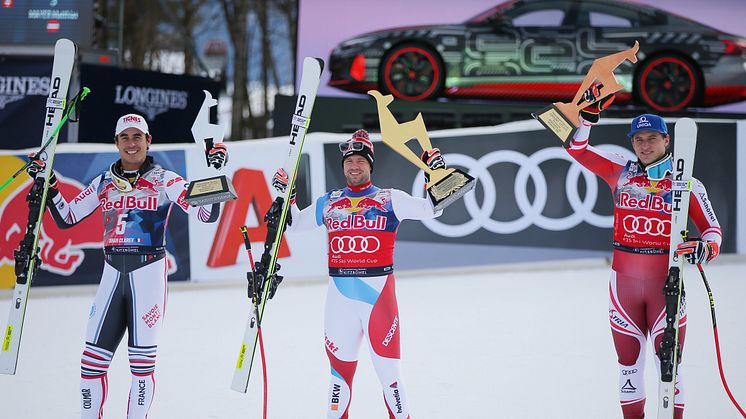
[(592, 112)]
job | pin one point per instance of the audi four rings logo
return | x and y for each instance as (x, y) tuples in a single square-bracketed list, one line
[(480, 215), (354, 244), (644, 225)]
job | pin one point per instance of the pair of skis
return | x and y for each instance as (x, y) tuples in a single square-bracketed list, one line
[(310, 78), (27, 260), (669, 353)]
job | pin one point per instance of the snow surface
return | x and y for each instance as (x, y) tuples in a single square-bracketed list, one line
[(492, 344)]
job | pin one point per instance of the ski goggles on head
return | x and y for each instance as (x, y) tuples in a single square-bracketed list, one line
[(349, 146), (659, 169)]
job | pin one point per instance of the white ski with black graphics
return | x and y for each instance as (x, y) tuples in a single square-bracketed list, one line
[(62, 68), (309, 84), (685, 144)]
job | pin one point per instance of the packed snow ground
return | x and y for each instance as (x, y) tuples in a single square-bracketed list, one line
[(493, 344)]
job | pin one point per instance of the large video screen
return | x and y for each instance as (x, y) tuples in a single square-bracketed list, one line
[(323, 24), (43, 22)]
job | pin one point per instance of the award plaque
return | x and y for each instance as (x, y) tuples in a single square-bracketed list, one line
[(562, 118), (445, 185), (209, 191), (214, 189)]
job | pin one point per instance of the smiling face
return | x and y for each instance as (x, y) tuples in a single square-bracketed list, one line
[(650, 146), (133, 148), (356, 170)]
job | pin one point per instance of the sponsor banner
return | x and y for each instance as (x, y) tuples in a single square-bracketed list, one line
[(532, 193), (24, 86), (75, 255), (219, 254), (165, 100)]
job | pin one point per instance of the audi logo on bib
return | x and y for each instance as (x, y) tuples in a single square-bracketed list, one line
[(643, 225), (354, 244)]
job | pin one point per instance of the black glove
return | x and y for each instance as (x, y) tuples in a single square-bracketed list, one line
[(592, 112), (698, 251), (272, 217), (217, 156), (433, 160), (37, 166)]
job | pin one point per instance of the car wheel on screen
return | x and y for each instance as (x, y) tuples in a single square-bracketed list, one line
[(668, 83), (412, 72)]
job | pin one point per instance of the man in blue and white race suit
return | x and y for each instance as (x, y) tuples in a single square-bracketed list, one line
[(135, 195)]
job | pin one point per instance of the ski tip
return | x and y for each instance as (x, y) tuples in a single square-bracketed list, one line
[(321, 63), (686, 124), (318, 62), (64, 43)]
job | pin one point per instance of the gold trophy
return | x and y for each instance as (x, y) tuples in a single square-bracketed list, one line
[(217, 188), (445, 186), (562, 118)]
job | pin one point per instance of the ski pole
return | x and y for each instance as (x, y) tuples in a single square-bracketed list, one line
[(254, 300), (717, 341), (73, 108)]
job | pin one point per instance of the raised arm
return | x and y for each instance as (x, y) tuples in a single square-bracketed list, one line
[(67, 214)]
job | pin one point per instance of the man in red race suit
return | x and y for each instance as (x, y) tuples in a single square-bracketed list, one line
[(642, 227)]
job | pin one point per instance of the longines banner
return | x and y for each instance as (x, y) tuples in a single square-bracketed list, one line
[(24, 86), (169, 102), (532, 193), (75, 255)]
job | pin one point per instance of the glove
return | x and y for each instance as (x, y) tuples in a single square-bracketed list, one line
[(591, 113), (272, 217), (698, 251), (433, 160), (280, 182), (37, 166), (217, 156)]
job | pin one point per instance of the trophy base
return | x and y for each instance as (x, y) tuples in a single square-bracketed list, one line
[(556, 122), (210, 191), (449, 189)]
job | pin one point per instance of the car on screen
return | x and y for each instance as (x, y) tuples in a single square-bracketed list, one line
[(542, 49)]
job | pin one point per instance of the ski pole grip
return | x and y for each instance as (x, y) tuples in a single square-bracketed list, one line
[(245, 234)]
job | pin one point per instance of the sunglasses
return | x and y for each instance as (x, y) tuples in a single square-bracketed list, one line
[(658, 170)]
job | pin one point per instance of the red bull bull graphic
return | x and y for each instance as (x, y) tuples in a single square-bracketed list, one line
[(61, 251), (368, 203), (344, 203)]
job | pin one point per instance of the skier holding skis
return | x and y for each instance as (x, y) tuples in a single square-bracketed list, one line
[(135, 195), (642, 227), (361, 220)]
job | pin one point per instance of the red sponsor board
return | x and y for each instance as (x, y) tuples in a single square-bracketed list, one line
[(253, 192)]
